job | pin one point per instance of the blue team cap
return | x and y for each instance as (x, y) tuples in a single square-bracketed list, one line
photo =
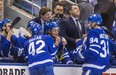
[(4, 22)]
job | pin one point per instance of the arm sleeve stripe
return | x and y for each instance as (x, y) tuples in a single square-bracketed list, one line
[(54, 53), (80, 54), (95, 45), (94, 50)]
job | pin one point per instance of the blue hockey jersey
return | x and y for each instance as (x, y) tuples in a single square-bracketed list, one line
[(4, 46), (22, 40), (62, 56), (9, 48), (40, 49), (96, 55), (73, 53)]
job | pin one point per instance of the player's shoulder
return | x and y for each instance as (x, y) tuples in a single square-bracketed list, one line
[(26, 42), (96, 31), (47, 36)]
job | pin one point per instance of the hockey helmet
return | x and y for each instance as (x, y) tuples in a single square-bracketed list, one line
[(4, 22), (95, 18), (35, 28), (30, 23), (51, 25)]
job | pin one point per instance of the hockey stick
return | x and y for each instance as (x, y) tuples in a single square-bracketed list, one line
[(16, 20), (110, 34)]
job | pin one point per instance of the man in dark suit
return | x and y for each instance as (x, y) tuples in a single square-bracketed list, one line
[(107, 10), (44, 16), (72, 28)]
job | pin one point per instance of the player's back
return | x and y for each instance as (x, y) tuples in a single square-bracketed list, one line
[(97, 53), (40, 47)]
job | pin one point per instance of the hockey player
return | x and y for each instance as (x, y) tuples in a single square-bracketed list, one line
[(9, 44), (95, 52), (63, 57), (40, 49)]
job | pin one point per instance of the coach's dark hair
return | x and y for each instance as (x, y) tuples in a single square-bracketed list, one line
[(60, 4), (70, 8), (43, 11)]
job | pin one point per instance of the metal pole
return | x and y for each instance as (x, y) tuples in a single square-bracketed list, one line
[(32, 9), (2, 13), (49, 4), (76, 1)]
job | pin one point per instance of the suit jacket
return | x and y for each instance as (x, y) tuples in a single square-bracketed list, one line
[(37, 20), (69, 31)]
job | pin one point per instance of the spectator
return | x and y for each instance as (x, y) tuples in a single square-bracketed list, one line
[(39, 49), (64, 3), (93, 2), (58, 13), (72, 28), (107, 10), (76, 1), (44, 17), (86, 9)]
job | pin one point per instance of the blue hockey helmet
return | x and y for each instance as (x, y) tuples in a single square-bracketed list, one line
[(95, 18), (51, 25), (4, 22), (34, 27), (30, 23)]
